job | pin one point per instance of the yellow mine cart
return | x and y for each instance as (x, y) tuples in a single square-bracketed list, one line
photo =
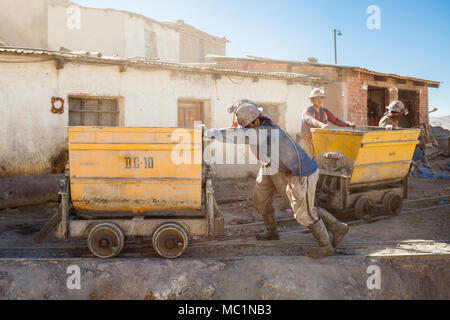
[(363, 166), (137, 182)]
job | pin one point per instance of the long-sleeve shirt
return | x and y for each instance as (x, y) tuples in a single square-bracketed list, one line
[(287, 155), (387, 120), (313, 119)]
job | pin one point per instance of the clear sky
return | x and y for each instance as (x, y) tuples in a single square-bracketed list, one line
[(414, 38)]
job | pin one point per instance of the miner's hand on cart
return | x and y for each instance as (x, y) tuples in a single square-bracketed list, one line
[(317, 116)]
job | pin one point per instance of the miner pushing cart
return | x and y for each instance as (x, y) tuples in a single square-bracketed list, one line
[(136, 182)]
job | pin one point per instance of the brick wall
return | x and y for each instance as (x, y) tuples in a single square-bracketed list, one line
[(269, 67), (356, 100), (423, 105), (355, 84), (328, 72), (190, 47), (230, 64)]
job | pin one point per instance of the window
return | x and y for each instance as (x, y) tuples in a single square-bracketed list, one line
[(189, 112), (150, 44), (93, 112), (276, 112)]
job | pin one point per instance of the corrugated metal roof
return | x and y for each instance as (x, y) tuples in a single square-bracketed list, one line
[(139, 62), (393, 75)]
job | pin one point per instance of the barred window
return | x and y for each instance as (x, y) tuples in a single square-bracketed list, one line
[(150, 45), (93, 112)]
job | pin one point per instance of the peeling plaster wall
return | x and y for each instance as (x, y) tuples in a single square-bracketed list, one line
[(167, 39), (24, 23), (31, 137), (100, 31)]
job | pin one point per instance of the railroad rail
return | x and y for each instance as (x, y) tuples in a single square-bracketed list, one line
[(243, 242)]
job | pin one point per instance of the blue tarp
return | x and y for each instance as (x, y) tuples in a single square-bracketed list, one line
[(424, 172)]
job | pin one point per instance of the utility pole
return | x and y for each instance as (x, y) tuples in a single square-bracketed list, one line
[(336, 33)]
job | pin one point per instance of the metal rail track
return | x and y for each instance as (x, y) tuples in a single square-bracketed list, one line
[(225, 242)]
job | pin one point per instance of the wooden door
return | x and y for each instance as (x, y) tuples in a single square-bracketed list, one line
[(377, 100), (188, 113)]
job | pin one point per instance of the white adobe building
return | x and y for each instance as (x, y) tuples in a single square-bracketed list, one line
[(57, 24), (110, 91)]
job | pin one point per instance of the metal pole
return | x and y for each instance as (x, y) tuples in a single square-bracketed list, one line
[(335, 50)]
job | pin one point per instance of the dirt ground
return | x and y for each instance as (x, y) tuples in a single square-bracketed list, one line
[(18, 226), (413, 250), (244, 212)]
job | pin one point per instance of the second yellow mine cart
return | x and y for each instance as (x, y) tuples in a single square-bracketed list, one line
[(137, 182), (363, 166)]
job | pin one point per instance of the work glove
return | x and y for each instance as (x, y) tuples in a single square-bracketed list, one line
[(212, 133), (201, 127), (324, 126), (351, 124)]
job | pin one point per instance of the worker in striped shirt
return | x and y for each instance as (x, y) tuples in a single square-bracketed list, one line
[(316, 116)]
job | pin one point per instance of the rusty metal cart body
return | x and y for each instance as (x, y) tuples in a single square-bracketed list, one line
[(137, 182), (363, 166)]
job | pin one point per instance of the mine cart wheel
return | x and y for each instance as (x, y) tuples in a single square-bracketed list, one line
[(105, 240), (392, 203), (170, 240), (363, 208)]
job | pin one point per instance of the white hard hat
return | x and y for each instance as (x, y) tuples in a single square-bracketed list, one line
[(317, 92), (246, 114), (397, 107), (239, 103)]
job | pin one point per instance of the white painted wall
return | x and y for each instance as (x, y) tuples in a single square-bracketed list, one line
[(30, 135), (23, 23), (110, 32), (167, 39), (100, 31)]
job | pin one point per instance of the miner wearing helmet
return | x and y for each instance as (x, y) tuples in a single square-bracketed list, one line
[(317, 116), (393, 114), (236, 106), (287, 169)]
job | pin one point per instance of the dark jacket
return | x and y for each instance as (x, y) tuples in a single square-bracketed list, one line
[(291, 157)]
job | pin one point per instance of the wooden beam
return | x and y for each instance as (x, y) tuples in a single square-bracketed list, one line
[(123, 68), (380, 78), (59, 63)]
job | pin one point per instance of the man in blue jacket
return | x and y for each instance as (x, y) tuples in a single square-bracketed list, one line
[(287, 168)]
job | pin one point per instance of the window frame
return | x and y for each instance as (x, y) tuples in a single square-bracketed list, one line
[(150, 44), (116, 121)]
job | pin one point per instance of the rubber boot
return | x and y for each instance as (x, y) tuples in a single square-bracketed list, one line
[(337, 228), (320, 233), (271, 229)]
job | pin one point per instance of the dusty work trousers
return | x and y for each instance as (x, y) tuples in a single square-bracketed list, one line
[(300, 192)]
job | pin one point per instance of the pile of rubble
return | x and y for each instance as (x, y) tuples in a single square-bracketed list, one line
[(433, 142)]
